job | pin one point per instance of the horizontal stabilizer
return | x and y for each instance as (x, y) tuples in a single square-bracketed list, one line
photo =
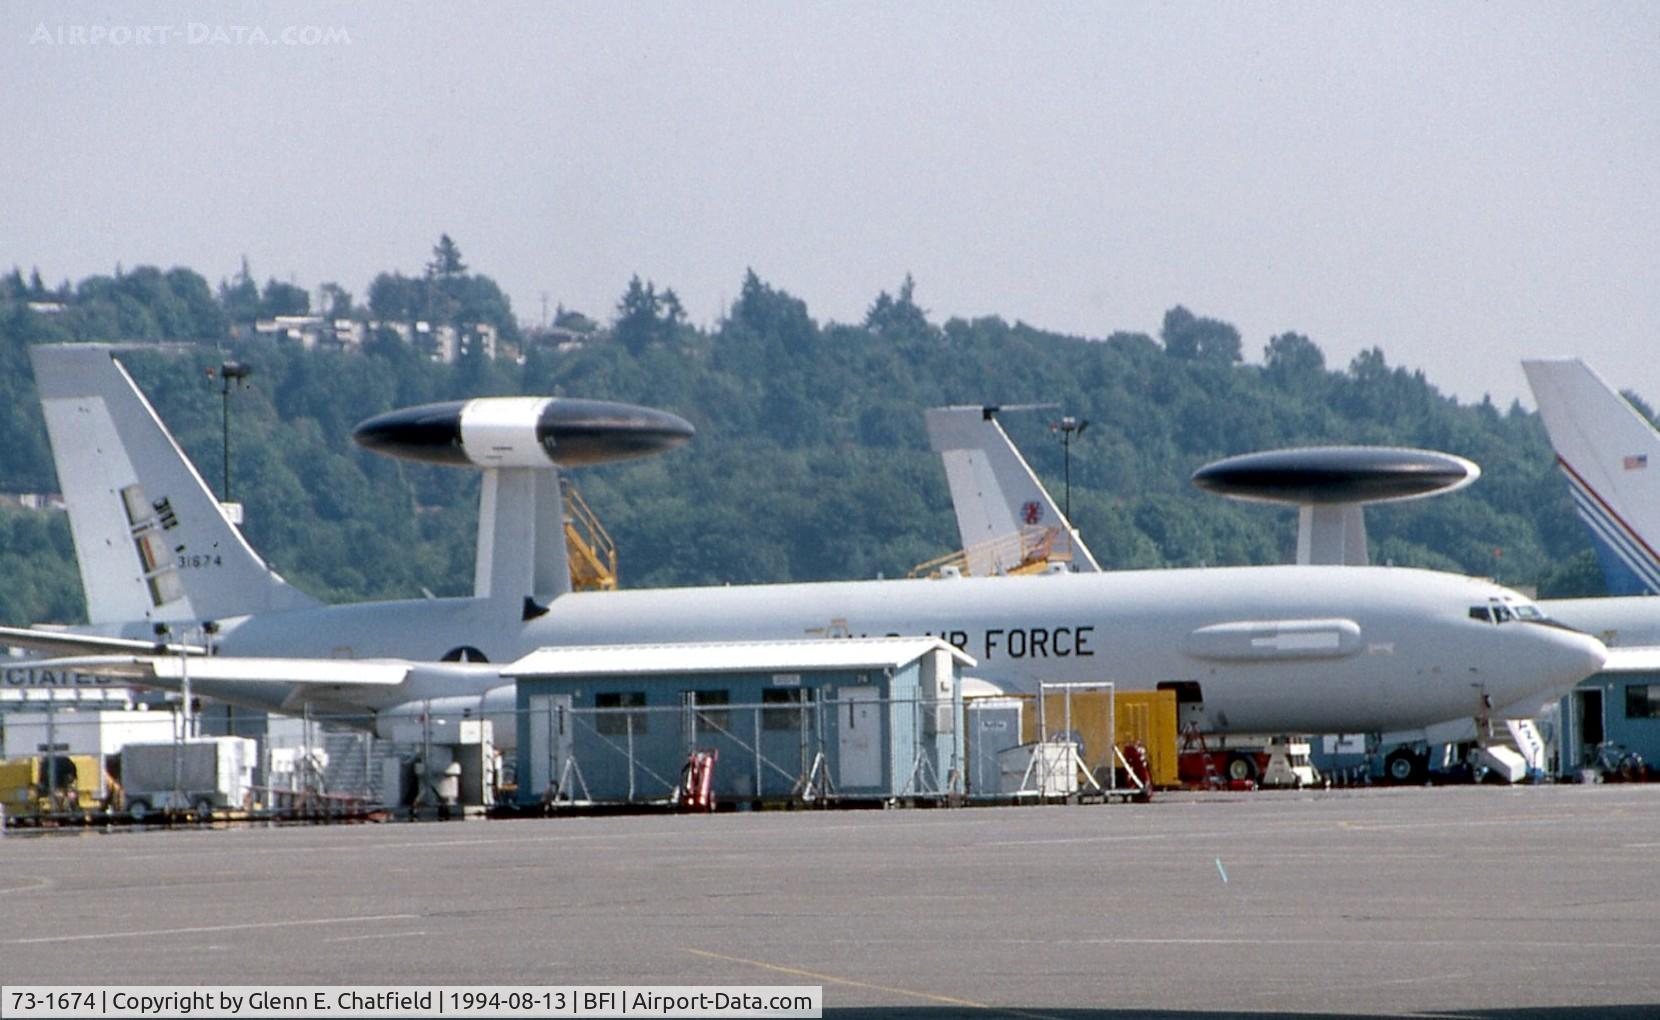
[(57, 642)]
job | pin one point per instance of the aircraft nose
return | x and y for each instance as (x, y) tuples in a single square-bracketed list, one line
[(1580, 654), (1558, 658)]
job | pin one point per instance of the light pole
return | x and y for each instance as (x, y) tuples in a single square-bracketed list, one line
[(228, 371), (181, 731), (1066, 428)]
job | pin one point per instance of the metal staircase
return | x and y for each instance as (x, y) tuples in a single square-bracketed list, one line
[(591, 552)]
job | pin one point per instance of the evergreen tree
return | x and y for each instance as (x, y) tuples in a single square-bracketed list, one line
[(239, 297)]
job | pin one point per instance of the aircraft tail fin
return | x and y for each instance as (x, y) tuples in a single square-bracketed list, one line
[(996, 496), (153, 543), (1611, 457)]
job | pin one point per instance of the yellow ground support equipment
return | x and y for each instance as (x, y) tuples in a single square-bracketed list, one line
[(1030, 550), (31, 787), (1145, 717), (592, 553)]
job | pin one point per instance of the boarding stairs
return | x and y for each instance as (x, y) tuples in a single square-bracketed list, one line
[(1510, 752)]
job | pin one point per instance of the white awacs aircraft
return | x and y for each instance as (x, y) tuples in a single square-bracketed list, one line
[(1269, 649)]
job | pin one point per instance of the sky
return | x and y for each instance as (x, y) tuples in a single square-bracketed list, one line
[(1460, 184)]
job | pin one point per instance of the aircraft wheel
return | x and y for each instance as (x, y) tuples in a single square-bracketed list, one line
[(1241, 767), (139, 809), (1403, 766)]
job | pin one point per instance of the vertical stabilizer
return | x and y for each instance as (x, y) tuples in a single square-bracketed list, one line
[(995, 493), (152, 541), (1611, 457)]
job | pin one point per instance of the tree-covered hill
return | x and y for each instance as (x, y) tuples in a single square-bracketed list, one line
[(810, 462)]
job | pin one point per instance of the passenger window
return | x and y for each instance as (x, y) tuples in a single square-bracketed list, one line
[(1502, 613)]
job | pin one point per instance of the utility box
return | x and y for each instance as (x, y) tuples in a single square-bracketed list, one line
[(422, 752), (1049, 768), (397, 781), (202, 774), (479, 763), (993, 726)]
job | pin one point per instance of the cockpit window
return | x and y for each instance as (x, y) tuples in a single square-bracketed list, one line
[(1504, 612)]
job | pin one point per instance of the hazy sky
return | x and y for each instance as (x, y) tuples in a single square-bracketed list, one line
[(1460, 184)]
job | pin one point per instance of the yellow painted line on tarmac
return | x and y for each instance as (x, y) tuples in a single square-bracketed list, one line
[(831, 979)]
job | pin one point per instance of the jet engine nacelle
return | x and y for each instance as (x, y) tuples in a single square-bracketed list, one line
[(522, 432)]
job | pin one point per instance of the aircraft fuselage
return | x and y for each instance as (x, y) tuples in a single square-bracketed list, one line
[(1295, 649)]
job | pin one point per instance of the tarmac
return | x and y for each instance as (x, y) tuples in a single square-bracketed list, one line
[(1464, 902)]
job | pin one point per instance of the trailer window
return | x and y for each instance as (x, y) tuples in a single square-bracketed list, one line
[(615, 723), (1642, 701), (718, 719), (783, 718)]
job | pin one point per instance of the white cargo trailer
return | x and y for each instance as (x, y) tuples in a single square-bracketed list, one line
[(200, 775)]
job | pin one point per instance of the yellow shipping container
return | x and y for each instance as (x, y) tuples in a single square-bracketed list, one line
[(1145, 716)]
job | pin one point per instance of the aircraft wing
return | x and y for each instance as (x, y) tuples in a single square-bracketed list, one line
[(62, 642), (168, 670)]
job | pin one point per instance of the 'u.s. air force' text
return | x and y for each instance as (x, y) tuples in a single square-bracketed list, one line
[(1024, 642)]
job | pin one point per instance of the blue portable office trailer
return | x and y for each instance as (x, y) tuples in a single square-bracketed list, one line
[(846, 718), (1608, 717)]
